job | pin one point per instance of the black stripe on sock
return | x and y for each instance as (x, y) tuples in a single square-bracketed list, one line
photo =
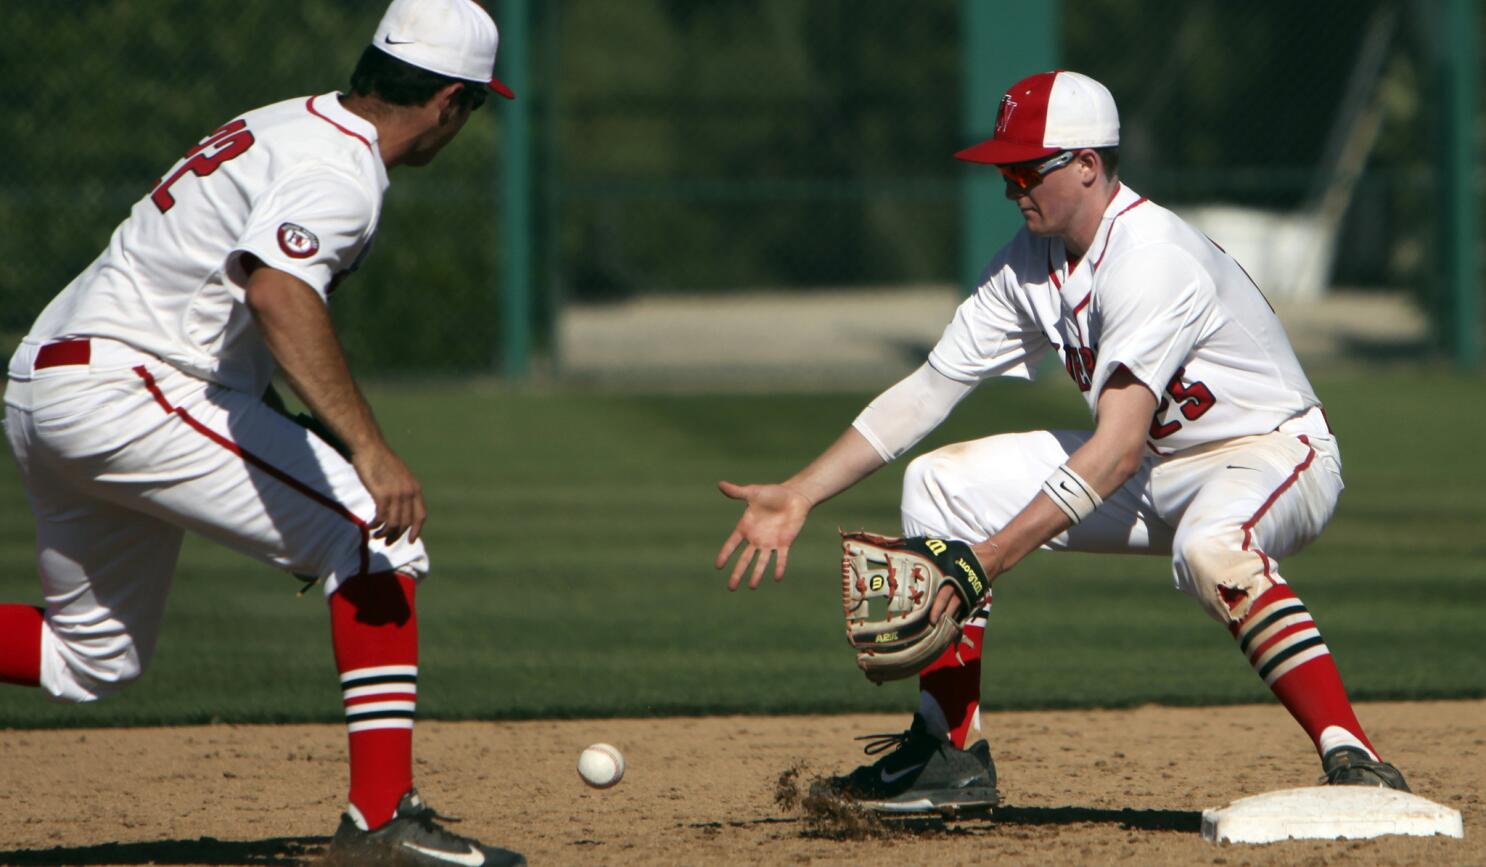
[(380, 714), (377, 679), (1288, 652), (1292, 606)]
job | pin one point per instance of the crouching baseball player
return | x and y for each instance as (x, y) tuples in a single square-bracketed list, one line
[(135, 409), (1209, 445)]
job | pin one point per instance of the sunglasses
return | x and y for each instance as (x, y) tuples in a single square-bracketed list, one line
[(1028, 175)]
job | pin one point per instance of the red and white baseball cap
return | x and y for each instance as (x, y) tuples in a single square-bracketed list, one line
[(456, 38), (1046, 113)]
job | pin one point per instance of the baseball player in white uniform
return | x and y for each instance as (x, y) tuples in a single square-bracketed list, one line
[(135, 409), (1209, 444)]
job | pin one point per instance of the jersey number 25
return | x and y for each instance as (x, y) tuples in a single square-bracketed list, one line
[(1194, 400)]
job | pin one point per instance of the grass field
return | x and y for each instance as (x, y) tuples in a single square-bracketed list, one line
[(572, 537)]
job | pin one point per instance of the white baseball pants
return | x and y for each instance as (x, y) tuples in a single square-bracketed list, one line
[(1226, 512), (120, 454)]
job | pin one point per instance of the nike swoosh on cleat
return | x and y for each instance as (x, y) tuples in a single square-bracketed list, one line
[(468, 859), (898, 775)]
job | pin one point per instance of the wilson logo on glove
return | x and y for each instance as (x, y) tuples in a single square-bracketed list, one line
[(888, 586)]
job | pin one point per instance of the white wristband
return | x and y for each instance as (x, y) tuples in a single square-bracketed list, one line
[(1069, 492)]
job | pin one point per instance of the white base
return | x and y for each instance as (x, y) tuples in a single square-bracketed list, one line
[(1329, 813)]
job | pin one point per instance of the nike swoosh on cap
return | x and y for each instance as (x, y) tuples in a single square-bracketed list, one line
[(897, 775), (390, 41), (467, 859)]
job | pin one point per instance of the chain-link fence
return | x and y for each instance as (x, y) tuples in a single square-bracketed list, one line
[(691, 147)]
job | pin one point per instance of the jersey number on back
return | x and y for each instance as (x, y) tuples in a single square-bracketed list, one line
[(1194, 400), (227, 143)]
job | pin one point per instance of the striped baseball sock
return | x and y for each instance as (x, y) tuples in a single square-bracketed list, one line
[(20, 645), (1283, 644), (374, 627), (949, 688)]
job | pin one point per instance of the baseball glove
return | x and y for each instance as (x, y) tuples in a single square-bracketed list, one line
[(888, 586)]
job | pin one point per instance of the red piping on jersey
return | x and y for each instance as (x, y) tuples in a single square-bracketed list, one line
[(1248, 525), (260, 463), (310, 106), (1135, 204), (1105, 249), (1052, 270)]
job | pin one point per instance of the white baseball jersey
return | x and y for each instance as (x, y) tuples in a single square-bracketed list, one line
[(303, 192), (134, 406), (1152, 294)]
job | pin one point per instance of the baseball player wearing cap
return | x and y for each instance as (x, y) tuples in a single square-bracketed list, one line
[(135, 409), (1209, 444)]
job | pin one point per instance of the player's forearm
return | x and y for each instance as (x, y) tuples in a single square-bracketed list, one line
[(1105, 462), (297, 329), (845, 462)]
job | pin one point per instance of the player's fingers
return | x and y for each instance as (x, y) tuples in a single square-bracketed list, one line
[(420, 516), (744, 561), (727, 549), (732, 491), (379, 517), (781, 560), (399, 517), (759, 566), (945, 604)]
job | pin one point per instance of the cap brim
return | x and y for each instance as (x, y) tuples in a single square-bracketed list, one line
[(499, 87), (1004, 152)]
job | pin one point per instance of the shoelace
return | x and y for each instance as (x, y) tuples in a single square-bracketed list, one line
[(426, 816), (882, 742)]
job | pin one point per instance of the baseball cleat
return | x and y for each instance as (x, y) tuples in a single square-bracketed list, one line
[(411, 839), (1350, 766), (921, 774)]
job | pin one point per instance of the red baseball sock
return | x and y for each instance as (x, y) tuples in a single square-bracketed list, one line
[(374, 627), (1285, 647), (951, 684), (20, 645)]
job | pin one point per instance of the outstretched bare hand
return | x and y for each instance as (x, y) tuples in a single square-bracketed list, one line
[(769, 525)]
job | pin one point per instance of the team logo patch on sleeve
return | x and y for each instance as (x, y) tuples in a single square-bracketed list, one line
[(297, 241)]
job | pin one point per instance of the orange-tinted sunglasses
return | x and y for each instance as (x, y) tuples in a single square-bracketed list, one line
[(1028, 175)]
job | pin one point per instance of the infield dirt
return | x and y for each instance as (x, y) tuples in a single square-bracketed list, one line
[(1079, 787)]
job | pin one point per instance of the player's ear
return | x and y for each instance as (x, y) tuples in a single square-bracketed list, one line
[(447, 100), (1090, 166)]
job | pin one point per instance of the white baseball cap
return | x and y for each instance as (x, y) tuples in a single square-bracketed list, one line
[(456, 38), (1046, 113)]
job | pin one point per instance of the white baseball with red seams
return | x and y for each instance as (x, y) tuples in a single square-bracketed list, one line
[(601, 765)]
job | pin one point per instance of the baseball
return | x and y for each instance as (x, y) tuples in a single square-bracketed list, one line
[(601, 766)]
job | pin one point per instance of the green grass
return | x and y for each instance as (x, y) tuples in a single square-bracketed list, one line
[(572, 537)]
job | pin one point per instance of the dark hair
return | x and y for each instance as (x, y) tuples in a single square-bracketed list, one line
[(380, 74), (1110, 156)]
